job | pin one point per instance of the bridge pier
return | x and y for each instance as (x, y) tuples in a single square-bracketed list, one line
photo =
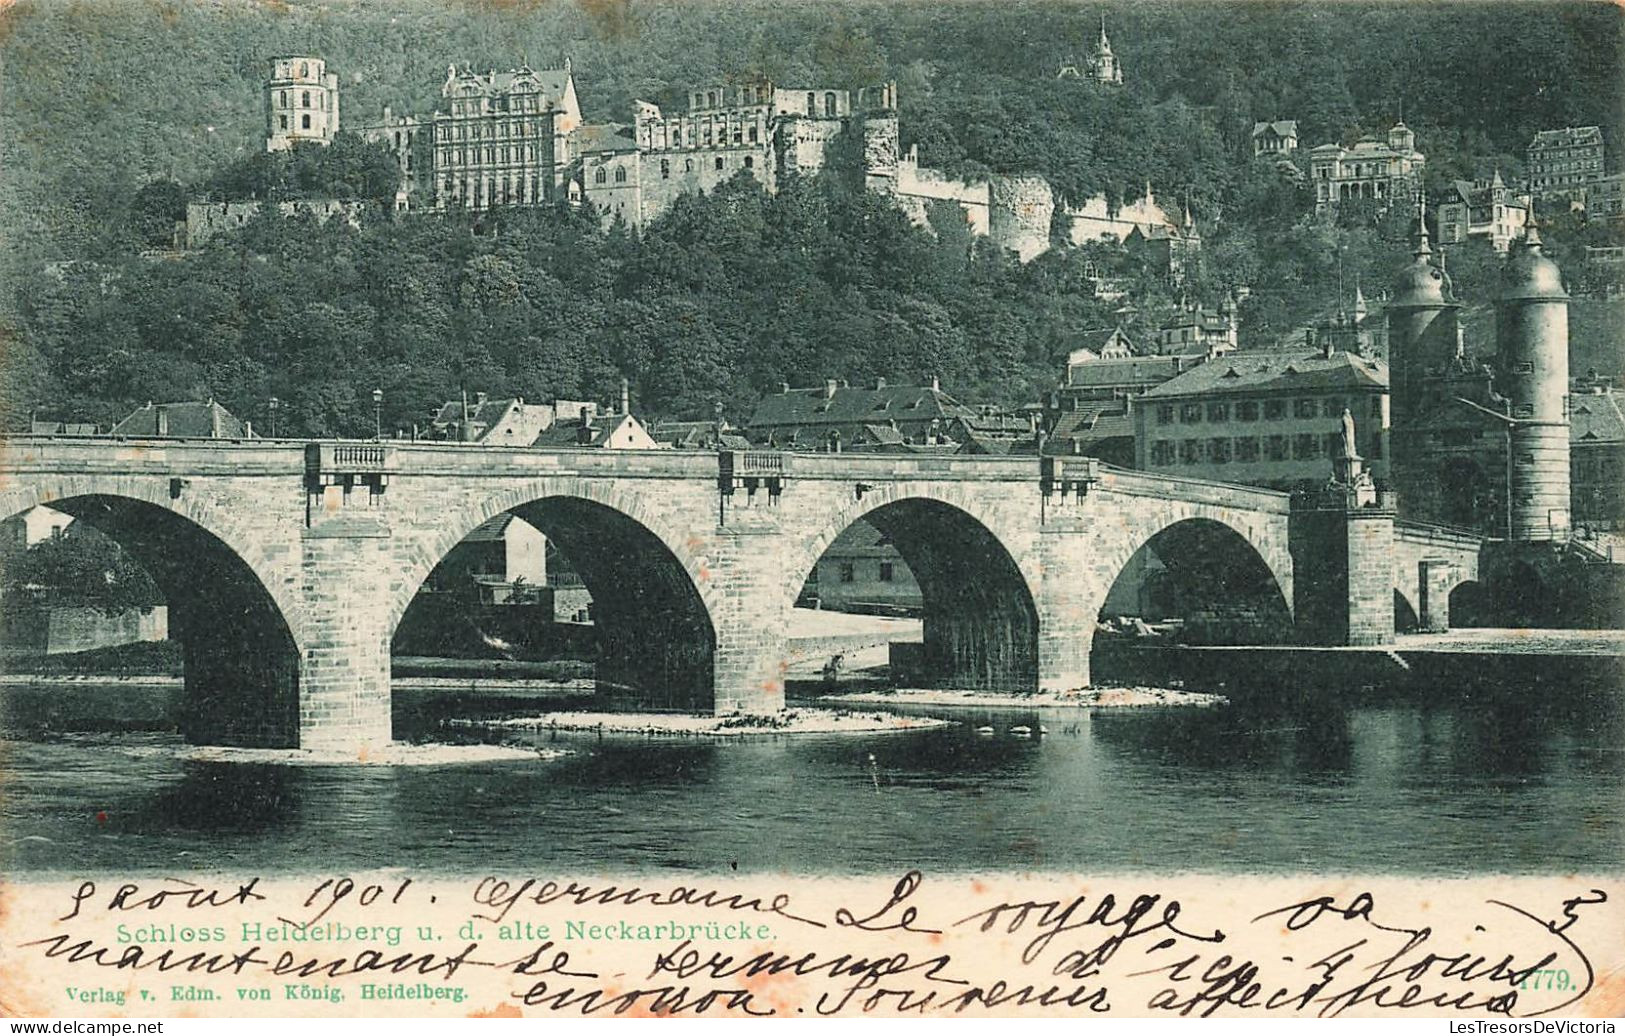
[(344, 697)]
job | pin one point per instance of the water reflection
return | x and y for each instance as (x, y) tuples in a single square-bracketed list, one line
[(1380, 787)]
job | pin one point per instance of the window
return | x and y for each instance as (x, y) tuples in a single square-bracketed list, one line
[(1305, 447), (1247, 411), (688, 165), (1246, 450), (1305, 408), (1333, 443), (282, 98), (711, 102), (829, 105), (1162, 452), (601, 176), (1524, 410), (1218, 451), (1275, 447), (304, 99), (304, 70), (1190, 451), (620, 174), (812, 104), (750, 162), (848, 572), (1376, 406), (1523, 367), (665, 169), (282, 121), (304, 122), (1274, 409), (886, 572), (1331, 406), (755, 133), (1218, 411), (1190, 413), (719, 161), (1165, 415)]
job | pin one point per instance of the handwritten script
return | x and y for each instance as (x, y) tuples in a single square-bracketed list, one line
[(909, 945)]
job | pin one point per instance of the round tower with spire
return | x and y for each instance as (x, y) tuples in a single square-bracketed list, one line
[(1532, 373), (1423, 317)]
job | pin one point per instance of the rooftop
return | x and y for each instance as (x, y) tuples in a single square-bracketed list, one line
[(1277, 372), (186, 420), (1595, 417)]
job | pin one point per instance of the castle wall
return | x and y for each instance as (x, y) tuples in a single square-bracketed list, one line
[(1094, 220), (917, 188), (205, 220)]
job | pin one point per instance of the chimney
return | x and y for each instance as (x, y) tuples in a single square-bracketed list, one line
[(1328, 345), (784, 388), (162, 419), (214, 420), (626, 396), (935, 385), (829, 389), (880, 383), (479, 399)]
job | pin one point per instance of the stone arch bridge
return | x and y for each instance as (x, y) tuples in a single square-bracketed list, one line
[(287, 565)]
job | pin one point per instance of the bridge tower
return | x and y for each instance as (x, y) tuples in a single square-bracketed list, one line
[(1532, 373)]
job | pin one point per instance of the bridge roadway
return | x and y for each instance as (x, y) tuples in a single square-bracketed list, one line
[(288, 564)]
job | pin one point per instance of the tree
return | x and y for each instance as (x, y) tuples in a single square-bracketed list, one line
[(82, 568)]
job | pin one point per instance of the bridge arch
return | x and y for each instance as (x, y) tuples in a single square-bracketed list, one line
[(654, 601), (227, 607), (1233, 575), (977, 581)]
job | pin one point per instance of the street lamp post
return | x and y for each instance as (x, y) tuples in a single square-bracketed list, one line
[(272, 404), (1508, 422), (377, 414)]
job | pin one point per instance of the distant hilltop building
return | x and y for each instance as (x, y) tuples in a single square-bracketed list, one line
[(1278, 138), (1482, 208), (1102, 65), (301, 103), (1562, 162), (1371, 169)]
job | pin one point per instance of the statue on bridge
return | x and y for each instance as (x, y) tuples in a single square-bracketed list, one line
[(1349, 474)]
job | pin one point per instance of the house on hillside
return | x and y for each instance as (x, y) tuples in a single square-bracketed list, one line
[(189, 420)]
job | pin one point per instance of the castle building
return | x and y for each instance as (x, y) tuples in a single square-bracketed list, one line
[(1102, 65), (1484, 208), (1562, 162), (301, 103), (1197, 330), (497, 142), (409, 141), (1275, 139), (1384, 172)]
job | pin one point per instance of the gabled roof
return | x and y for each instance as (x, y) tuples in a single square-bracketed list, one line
[(487, 412), (1134, 371), (1595, 417), (855, 406), (183, 420), (1276, 372), (1567, 136), (600, 137), (1281, 128), (593, 434)]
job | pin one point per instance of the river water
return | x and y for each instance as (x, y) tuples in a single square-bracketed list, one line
[(1524, 785)]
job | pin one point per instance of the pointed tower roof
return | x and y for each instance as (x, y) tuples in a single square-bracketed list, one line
[(1529, 275), (1421, 283)]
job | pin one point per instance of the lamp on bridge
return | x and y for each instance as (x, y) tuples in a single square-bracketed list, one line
[(378, 414), (272, 404)]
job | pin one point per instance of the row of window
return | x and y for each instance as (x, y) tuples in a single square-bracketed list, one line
[(304, 99), (479, 193), (704, 137), (482, 106), (1251, 449), (721, 164), (1268, 409), (282, 122), (847, 572), (471, 156), (499, 130)]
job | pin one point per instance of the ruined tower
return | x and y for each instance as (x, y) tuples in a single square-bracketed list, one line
[(1532, 373), (301, 103)]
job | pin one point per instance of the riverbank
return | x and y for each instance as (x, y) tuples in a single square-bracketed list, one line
[(1091, 698), (788, 722), (394, 754)]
